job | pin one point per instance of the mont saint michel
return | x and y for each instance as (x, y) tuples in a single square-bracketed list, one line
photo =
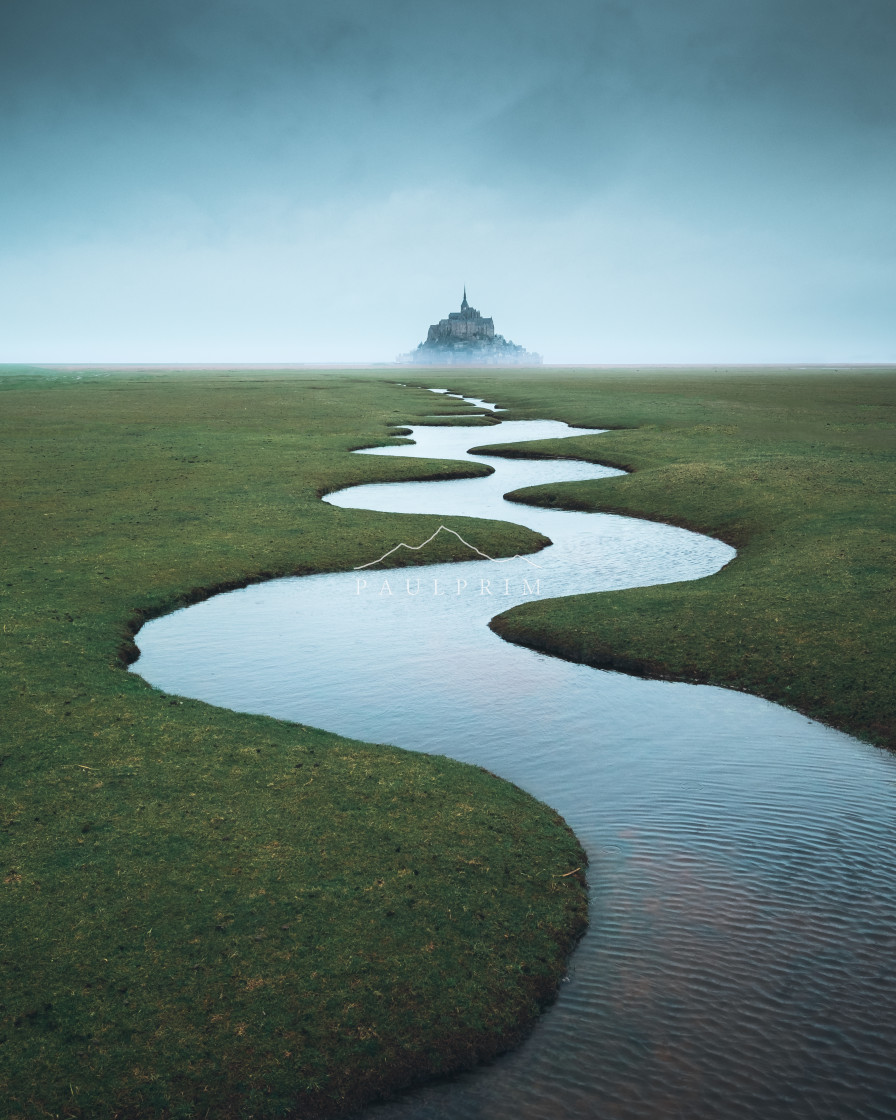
[(467, 338)]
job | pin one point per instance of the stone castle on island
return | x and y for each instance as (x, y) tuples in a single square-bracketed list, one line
[(466, 338)]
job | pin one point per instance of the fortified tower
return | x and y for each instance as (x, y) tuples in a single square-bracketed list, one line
[(467, 338)]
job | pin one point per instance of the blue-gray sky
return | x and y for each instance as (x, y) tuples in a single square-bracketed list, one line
[(279, 180)]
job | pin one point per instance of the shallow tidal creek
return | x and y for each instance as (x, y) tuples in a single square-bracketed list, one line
[(741, 956)]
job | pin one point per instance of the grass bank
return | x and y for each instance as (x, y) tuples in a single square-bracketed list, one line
[(793, 468), (211, 914)]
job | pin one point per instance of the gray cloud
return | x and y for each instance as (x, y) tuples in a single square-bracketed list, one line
[(205, 121)]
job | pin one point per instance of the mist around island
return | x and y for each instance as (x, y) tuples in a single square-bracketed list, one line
[(662, 181)]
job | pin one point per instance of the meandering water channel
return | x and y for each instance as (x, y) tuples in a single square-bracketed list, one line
[(741, 957)]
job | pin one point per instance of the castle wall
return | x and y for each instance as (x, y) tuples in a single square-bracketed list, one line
[(462, 325)]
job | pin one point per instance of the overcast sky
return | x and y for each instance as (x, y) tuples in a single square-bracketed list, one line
[(287, 181)]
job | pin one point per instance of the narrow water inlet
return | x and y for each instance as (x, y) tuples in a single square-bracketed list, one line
[(740, 959)]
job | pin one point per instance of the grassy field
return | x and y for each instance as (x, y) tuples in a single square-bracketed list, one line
[(793, 468), (206, 913), (211, 914)]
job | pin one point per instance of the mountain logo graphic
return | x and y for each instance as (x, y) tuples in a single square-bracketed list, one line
[(445, 529)]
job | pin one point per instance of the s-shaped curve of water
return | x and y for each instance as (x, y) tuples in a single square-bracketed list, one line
[(741, 957)]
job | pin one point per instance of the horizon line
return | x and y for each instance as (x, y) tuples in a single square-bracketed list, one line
[(451, 368)]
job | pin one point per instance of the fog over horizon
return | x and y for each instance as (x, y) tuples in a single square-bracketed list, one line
[(667, 181)]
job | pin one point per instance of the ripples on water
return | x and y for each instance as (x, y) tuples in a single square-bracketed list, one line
[(741, 955)]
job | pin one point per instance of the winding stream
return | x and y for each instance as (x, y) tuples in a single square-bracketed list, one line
[(741, 957)]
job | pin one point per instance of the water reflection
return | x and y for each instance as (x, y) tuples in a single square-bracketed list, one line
[(740, 959)]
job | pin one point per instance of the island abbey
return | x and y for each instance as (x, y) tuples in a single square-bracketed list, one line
[(466, 338)]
